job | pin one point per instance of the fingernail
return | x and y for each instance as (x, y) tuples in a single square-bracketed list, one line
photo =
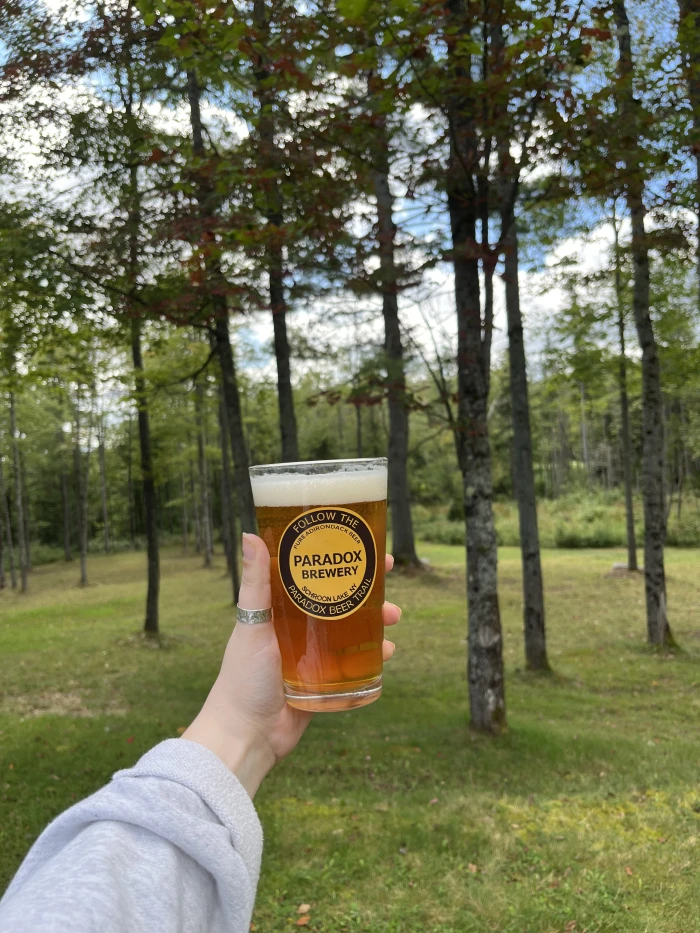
[(248, 548)]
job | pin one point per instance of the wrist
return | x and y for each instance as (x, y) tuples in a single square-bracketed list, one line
[(245, 754)]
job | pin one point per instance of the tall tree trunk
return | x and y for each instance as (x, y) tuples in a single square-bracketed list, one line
[(185, 524), (658, 630), (228, 510), (65, 505), (358, 429), (268, 163), (689, 42), (523, 473), (2, 549), (5, 507), (151, 622), (130, 489), (403, 541), (203, 474), (239, 449), (624, 411), (82, 484), (485, 662), (195, 508), (26, 512), (103, 488), (19, 505)]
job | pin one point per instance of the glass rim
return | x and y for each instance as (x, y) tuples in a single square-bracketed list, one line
[(294, 465)]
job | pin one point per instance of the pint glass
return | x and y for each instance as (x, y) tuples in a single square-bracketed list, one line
[(324, 524)]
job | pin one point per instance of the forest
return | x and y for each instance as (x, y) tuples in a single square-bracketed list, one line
[(462, 234)]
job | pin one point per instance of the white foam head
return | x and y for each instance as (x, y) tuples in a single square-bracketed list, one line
[(340, 487)]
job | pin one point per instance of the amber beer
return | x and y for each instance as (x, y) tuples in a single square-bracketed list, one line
[(324, 524)]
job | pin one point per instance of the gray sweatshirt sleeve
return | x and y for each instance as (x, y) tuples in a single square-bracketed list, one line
[(171, 845)]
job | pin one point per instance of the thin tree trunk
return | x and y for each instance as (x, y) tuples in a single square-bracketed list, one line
[(151, 622), (239, 449), (268, 162), (228, 510), (130, 489), (21, 539), (485, 662), (624, 410), (185, 525), (689, 42), (82, 479), (203, 474), (403, 541), (4, 505), (103, 489), (65, 506), (658, 630), (195, 507), (25, 512), (523, 473)]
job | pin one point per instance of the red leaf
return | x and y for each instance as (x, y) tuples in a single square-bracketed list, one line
[(302, 921), (130, 739)]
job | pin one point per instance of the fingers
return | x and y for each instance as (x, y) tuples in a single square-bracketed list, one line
[(388, 649), (255, 590), (389, 562), (390, 614)]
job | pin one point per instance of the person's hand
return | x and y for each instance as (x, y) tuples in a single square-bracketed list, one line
[(245, 719)]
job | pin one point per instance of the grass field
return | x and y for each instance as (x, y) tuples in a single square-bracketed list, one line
[(395, 818)]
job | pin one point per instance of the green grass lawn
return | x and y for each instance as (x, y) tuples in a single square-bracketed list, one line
[(585, 816)]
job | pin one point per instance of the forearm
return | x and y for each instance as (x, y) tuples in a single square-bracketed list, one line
[(170, 844)]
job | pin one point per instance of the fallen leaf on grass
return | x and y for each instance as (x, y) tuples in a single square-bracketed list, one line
[(303, 908), (472, 868), (253, 927), (570, 926), (181, 729), (433, 802), (302, 921), (130, 739), (628, 871)]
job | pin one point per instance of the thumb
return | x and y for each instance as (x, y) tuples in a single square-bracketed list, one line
[(255, 590)]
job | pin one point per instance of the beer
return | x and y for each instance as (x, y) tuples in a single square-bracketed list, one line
[(324, 524)]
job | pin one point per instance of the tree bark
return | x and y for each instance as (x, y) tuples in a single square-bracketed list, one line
[(2, 549), (19, 505), (239, 449), (523, 473), (689, 42), (658, 629), (203, 474), (26, 512), (4, 505), (151, 622), (485, 662), (103, 488), (268, 165), (624, 411), (130, 489), (228, 507), (65, 504), (82, 484), (403, 541)]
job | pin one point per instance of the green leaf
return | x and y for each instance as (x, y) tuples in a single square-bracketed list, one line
[(353, 9)]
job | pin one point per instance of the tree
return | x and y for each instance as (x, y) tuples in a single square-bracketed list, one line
[(634, 171)]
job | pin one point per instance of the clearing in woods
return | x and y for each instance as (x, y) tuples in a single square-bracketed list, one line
[(585, 816)]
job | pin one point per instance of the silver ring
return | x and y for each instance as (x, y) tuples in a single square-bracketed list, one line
[(253, 616)]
